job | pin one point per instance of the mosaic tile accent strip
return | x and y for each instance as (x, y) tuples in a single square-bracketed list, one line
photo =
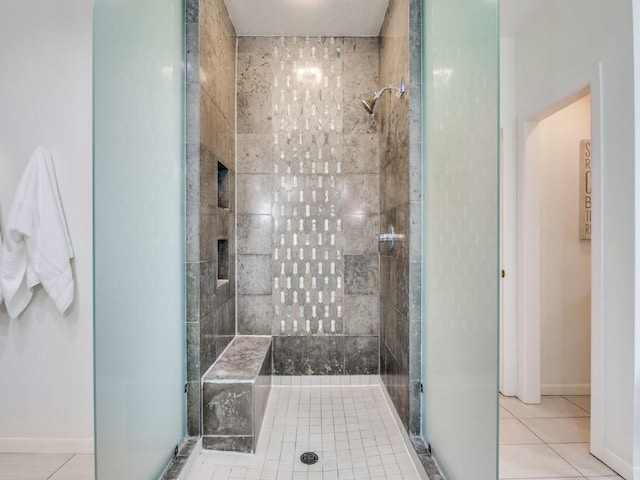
[(307, 120)]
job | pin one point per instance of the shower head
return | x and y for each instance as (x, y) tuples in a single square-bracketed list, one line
[(369, 103)]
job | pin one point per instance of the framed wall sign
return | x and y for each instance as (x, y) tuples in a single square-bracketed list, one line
[(585, 190)]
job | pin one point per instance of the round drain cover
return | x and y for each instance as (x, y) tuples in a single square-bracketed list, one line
[(309, 458)]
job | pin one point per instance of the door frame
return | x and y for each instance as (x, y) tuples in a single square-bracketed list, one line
[(526, 322)]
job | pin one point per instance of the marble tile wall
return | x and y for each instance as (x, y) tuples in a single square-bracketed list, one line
[(308, 202), (401, 206), (210, 136)]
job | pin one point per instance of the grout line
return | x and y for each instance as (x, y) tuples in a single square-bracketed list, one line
[(63, 464)]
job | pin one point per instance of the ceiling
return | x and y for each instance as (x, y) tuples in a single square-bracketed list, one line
[(339, 18)]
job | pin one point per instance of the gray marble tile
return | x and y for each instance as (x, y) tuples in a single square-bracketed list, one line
[(227, 319), (325, 355), (222, 297), (361, 153), (255, 234), (356, 119), (400, 285), (192, 106), (207, 342), (254, 113), (289, 355), (362, 314), (415, 232), (361, 45), (193, 351), (415, 53), (243, 444), (254, 73), (193, 232), (193, 172), (415, 407), (254, 194), (255, 314), (255, 153), (361, 234), (254, 274), (360, 195), (415, 291), (192, 53), (208, 184), (226, 409), (208, 282), (193, 291), (361, 355), (191, 11), (193, 408), (361, 274), (256, 45), (242, 361), (208, 232)]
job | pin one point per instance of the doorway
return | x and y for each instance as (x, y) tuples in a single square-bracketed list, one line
[(533, 435)]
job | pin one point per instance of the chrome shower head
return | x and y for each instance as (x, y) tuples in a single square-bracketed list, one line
[(369, 103)]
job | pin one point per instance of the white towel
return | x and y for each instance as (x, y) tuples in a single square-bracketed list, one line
[(1, 300), (37, 247)]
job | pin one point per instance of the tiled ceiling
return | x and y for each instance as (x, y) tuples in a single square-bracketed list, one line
[(307, 17)]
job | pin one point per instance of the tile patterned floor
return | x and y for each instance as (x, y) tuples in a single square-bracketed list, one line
[(351, 428), (31, 466), (548, 441)]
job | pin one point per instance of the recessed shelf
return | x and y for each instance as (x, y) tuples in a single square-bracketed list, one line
[(223, 186)]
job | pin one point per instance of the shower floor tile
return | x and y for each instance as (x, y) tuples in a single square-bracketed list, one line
[(350, 428)]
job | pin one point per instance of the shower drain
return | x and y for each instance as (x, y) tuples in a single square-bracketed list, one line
[(309, 458)]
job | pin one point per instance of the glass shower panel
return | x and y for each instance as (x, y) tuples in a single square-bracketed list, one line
[(139, 240), (461, 236)]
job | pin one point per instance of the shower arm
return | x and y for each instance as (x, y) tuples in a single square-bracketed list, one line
[(390, 88)]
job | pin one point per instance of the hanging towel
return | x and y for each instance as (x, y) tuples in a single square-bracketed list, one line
[(1, 300), (37, 247)]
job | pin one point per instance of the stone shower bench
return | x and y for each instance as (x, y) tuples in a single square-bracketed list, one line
[(235, 391)]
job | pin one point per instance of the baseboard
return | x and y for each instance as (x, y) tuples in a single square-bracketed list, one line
[(417, 463), (565, 389), (46, 445)]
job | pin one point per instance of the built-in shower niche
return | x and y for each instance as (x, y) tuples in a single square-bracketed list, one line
[(223, 186), (223, 261)]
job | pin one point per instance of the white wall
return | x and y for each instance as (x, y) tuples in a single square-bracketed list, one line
[(557, 54), (46, 359), (565, 260)]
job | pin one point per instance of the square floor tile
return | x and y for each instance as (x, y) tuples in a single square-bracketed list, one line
[(80, 467), (560, 430), (533, 461), (583, 401), (550, 407), (577, 454), (513, 431), (26, 466)]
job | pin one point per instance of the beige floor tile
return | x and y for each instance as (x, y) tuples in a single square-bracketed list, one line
[(583, 401), (80, 467), (512, 431), (504, 413), (533, 461), (26, 466), (550, 407), (577, 454), (560, 430)]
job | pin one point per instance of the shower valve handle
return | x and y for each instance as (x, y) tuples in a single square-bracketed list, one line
[(390, 237)]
